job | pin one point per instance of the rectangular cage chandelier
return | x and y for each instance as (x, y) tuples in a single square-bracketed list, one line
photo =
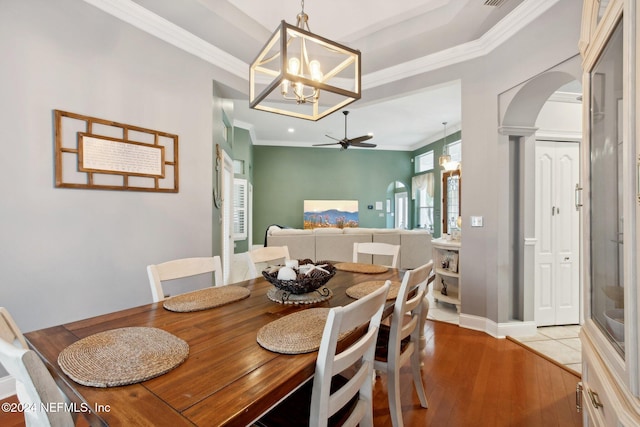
[(300, 74)]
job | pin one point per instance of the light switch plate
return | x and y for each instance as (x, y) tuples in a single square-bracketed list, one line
[(476, 221)]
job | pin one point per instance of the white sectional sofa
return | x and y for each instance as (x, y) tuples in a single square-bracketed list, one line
[(336, 244)]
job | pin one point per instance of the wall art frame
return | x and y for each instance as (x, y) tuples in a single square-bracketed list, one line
[(93, 153)]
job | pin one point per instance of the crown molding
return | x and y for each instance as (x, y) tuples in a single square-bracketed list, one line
[(248, 127), (566, 97), (145, 20), (521, 16), (558, 135), (517, 130)]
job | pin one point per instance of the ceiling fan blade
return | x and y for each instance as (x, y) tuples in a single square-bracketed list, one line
[(335, 139), (329, 143), (360, 139), (363, 144)]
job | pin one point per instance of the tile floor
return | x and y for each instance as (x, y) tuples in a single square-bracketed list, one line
[(560, 343)]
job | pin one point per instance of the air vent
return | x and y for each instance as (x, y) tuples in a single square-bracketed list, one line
[(496, 3)]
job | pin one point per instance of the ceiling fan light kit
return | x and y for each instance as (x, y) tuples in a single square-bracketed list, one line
[(300, 74)]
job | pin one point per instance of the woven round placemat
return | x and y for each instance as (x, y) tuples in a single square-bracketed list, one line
[(357, 267), (206, 298), (365, 288), (122, 356), (284, 297), (296, 333)]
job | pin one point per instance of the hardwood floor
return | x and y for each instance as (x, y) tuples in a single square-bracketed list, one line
[(472, 379)]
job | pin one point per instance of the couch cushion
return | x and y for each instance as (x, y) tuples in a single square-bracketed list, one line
[(301, 246), (385, 230), (327, 230), (358, 230), (289, 231), (390, 238), (338, 247), (415, 248)]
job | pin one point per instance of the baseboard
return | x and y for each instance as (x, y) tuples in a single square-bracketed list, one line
[(478, 323), (497, 330), (7, 387), (517, 329)]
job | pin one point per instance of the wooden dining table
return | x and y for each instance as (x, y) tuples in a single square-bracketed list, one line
[(228, 379)]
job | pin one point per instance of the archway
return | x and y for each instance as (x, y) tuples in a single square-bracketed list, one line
[(520, 109)]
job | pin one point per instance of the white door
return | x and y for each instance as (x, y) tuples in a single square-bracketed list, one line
[(227, 217), (402, 210), (557, 284)]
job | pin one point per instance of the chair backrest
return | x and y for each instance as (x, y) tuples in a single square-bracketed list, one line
[(358, 355), (377, 248), (265, 255), (9, 331), (408, 303), (35, 387), (180, 268)]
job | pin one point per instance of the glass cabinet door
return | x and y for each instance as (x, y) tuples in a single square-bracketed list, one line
[(605, 179)]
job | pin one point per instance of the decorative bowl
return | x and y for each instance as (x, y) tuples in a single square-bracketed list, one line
[(304, 282), (615, 323)]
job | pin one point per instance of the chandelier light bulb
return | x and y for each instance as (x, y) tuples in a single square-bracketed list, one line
[(299, 91), (314, 69), (294, 66), (285, 87)]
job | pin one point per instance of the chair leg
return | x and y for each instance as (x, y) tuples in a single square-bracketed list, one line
[(417, 378), (393, 390)]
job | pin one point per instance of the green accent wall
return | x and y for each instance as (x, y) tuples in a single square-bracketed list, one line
[(283, 177)]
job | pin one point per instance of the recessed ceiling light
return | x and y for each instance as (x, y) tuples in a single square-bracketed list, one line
[(291, 130)]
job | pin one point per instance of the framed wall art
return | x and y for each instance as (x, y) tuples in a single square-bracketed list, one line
[(93, 153)]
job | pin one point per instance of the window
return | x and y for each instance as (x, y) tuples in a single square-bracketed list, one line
[(423, 186), (238, 167), (424, 162), (227, 130), (239, 209), (454, 149), (451, 200)]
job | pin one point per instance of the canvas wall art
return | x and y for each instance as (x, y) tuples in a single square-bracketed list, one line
[(330, 213)]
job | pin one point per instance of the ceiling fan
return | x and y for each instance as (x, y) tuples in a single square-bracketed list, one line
[(349, 142)]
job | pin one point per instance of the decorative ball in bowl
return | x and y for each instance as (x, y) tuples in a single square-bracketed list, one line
[(302, 278)]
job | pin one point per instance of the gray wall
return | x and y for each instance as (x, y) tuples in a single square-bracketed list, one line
[(68, 254), (487, 191), (486, 252)]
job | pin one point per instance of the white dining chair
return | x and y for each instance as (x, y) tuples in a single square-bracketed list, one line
[(335, 399), (9, 331), (399, 342), (35, 386), (267, 254), (181, 268), (377, 248)]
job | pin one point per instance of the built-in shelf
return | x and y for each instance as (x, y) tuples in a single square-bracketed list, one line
[(446, 261)]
